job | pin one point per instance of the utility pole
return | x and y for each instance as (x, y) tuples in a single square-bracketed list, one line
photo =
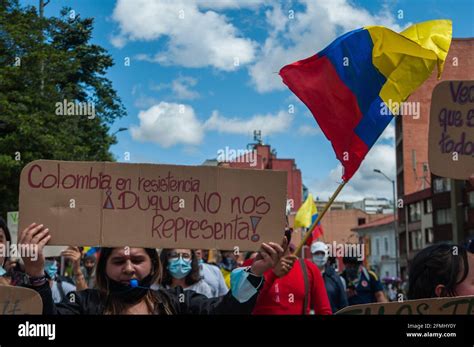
[(42, 5), (394, 221)]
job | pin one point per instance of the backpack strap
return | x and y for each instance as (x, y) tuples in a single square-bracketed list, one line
[(306, 285), (59, 283)]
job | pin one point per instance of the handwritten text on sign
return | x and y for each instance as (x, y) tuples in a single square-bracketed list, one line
[(443, 306), (158, 204), (451, 138)]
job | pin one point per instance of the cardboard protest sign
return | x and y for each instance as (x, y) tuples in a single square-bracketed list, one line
[(12, 223), (461, 305), (12, 220), (19, 300), (451, 136), (145, 205)]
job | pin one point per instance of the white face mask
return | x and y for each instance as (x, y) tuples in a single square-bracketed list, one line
[(319, 260)]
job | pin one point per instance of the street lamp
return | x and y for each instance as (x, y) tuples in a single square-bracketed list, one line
[(394, 218), (120, 129)]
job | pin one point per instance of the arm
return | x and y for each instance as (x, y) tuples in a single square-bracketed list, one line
[(319, 295), (380, 296), (245, 285), (377, 288), (233, 302), (35, 237), (74, 254), (341, 288)]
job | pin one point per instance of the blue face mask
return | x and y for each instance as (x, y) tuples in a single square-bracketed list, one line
[(201, 261), (51, 269), (240, 286), (179, 268), (2, 271)]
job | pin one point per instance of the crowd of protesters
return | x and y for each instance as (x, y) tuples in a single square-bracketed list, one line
[(271, 281)]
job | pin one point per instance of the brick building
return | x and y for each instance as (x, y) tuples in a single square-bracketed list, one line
[(418, 225), (263, 157)]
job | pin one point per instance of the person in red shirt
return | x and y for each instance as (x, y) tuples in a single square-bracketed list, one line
[(284, 289)]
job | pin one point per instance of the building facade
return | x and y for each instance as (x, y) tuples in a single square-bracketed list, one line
[(429, 213), (380, 236)]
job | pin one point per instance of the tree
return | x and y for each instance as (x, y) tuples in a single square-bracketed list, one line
[(74, 70)]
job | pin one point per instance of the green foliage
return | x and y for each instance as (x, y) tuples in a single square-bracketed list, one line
[(44, 61)]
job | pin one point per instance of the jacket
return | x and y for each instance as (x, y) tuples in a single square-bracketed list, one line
[(90, 301)]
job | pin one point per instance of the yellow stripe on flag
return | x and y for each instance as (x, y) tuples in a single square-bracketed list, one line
[(305, 212), (408, 59)]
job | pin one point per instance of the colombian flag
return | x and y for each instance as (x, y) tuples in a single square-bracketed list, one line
[(306, 216), (353, 85)]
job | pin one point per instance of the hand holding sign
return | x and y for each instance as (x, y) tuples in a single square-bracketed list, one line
[(286, 262), (34, 237), (268, 257)]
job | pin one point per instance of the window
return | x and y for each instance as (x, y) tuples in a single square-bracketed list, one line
[(429, 237), (415, 212), (441, 185), (385, 243), (428, 206), (416, 240), (360, 221), (470, 199), (443, 216), (377, 246)]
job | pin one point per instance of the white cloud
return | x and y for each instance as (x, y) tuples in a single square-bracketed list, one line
[(306, 34), (181, 88), (143, 101), (168, 124), (308, 130), (268, 124), (365, 183), (388, 133), (230, 4), (195, 38)]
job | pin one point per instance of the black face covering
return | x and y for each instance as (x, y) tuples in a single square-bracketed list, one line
[(229, 263), (352, 273), (128, 294)]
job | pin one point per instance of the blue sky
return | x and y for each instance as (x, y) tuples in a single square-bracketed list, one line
[(203, 75)]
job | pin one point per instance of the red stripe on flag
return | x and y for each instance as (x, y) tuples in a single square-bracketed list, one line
[(316, 82)]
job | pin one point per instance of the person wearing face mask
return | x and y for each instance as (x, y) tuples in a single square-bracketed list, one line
[(332, 281), (5, 239), (182, 270), (124, 277), (363, 286), (59, 289), (212, 275), (227, 264)]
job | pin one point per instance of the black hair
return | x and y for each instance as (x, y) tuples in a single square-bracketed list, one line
[(113, 306), (8, 237), (442, 263), (351, 260), (194, 275)]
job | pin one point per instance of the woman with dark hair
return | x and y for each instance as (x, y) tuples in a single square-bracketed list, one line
[(124, 276), (5, 239), (181, 268), (441, 270)]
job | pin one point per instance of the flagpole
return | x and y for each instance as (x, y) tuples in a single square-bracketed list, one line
[(320, 216)]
